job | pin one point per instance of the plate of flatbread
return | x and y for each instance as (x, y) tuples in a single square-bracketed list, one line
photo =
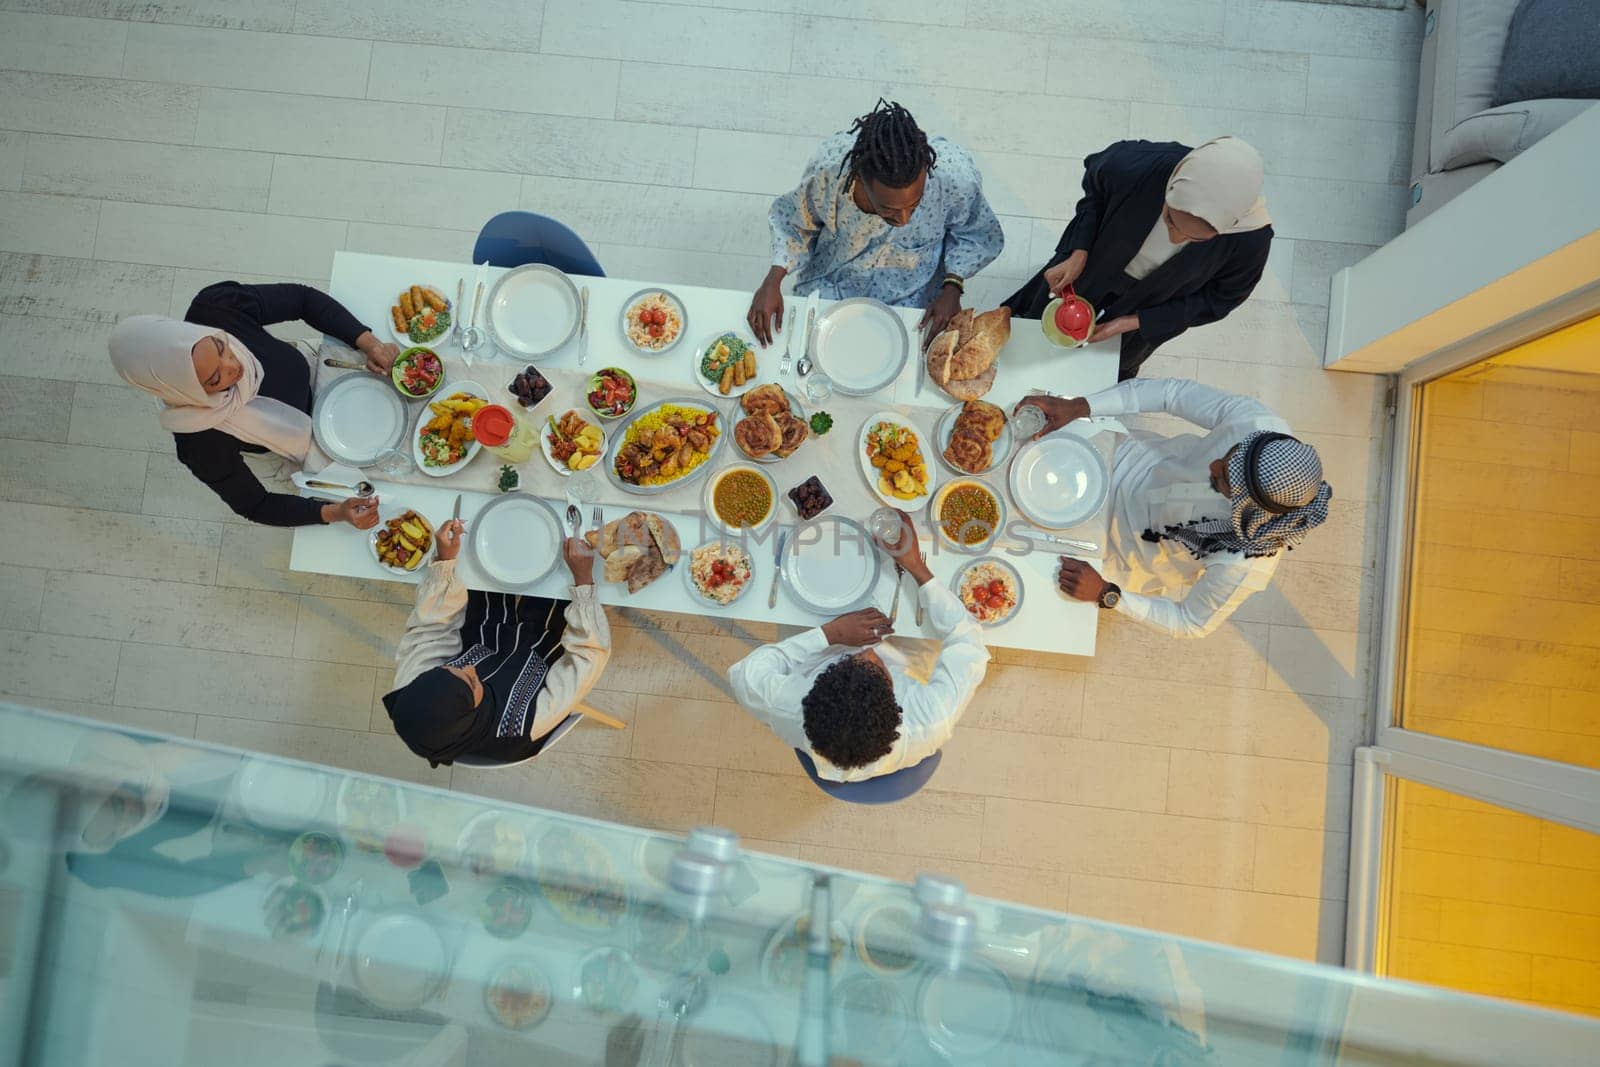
[(961, 359), (637, 548)]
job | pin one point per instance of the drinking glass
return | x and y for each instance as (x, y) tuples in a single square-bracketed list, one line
[(1028, 421), (887, 527), (393, 462), (818, 387)]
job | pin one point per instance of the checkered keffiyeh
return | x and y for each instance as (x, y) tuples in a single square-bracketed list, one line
[(1278, 497)]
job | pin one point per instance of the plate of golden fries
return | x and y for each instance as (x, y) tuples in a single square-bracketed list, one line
[(443, 443), (403, 542)]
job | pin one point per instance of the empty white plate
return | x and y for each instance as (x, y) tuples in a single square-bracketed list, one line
[(516, 539), (861, 345), (398, 961), (1058, 481), (830, 565), (280, 796), (358, 418), (533, 310)]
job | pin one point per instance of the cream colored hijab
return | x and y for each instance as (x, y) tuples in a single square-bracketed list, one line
[(153, 353), (1220, 181)]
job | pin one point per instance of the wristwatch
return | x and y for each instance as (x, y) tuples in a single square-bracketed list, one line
[(1110, 595)]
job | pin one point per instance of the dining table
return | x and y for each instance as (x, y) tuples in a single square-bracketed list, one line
[(1045, 619)]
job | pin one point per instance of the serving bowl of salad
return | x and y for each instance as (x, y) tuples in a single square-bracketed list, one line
[(417, 372), (612, 393)]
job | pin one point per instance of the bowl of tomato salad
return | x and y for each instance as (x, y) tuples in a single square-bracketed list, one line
[(612, 392), (417, 372)]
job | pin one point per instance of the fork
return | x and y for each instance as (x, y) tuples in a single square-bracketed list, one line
[(788, 346), (894, 605)]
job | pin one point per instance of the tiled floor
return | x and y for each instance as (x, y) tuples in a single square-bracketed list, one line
[(146, 149)]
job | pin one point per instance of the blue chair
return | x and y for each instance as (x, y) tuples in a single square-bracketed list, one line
[(517, 238), (885, 789)]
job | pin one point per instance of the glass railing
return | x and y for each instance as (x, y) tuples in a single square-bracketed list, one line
[(168, 903)]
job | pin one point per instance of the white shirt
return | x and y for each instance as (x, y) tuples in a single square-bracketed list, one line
[(1164, 481), (773, 680), (1156, 250)]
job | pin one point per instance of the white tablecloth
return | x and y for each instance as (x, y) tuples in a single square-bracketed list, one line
[(367, 284)]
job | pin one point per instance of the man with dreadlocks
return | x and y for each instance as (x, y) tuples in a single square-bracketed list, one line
[(1198, 523), (882, 212)]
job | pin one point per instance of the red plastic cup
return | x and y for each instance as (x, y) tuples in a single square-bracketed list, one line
[(492, 425), (404, 847)]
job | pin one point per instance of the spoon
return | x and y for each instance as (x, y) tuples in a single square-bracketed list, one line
[(472, 337), (362, 488), (686, 994)]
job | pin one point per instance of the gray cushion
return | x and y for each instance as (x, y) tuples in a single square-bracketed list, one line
[(1552, 50), (1500, 133), (1480, 42)]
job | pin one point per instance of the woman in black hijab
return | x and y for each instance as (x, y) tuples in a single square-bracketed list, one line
[(491, 674), (1165, 238)]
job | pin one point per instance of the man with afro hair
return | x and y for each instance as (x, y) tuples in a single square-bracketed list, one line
[(848, 700)]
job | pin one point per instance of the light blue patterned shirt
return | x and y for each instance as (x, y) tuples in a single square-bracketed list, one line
[(835, 249)]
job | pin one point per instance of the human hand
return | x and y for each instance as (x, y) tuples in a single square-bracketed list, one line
[(1110, 328), (907, 552), (858, 629), (1058, 410), (765, 317), (359, 511), (1079, 580), (943, 308), (380, 354), (579, 557), (448, 539), (1066, 272)]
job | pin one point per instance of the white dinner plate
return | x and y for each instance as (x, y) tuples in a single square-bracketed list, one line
[(533, 310), (280, 796), (516, 539), (710, 386), (862, 345), (947, 426), (426, 414), (404, 338), (358, 418), (1059, 481), (870, 473), (398, 961), (830, 565)]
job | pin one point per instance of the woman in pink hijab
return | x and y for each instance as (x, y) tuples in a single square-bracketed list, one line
[(229, 387), (1165, 237)]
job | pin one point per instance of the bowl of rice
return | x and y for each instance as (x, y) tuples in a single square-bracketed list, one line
[(653, 321), (719, 572)]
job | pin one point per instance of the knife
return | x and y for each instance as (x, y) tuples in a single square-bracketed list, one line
[(583, 325), (894, 605), (777, 569), (455, 513), (1066, 542)]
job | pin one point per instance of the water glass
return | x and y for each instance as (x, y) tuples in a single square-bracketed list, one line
[(393, 462), (887, 526), (1028, 421), (818, 387)]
